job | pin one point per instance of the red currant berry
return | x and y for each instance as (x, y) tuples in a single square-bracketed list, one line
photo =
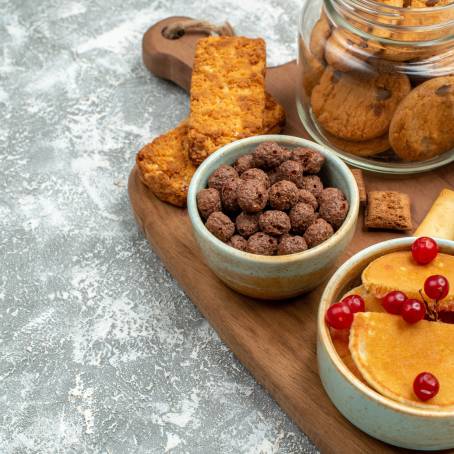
[(413, 311), (393, 302), (426, 386), (355, 303), (436, 287), (424, 250), (339, 316)]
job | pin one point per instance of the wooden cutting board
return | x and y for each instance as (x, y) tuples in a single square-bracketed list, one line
[(275, 341)]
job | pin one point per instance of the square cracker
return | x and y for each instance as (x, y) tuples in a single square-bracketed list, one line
[(388, 210), (227, 93)]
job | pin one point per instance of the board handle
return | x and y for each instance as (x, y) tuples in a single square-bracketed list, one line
[(170, 59)]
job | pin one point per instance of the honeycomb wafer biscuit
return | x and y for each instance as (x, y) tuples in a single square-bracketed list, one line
[(227, 93), (359, 177), (165, 168), (388, 210)]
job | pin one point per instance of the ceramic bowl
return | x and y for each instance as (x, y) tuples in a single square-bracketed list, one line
[(276, 277), (379, 416)]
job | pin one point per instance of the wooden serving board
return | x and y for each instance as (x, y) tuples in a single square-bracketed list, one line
[(275, 341)]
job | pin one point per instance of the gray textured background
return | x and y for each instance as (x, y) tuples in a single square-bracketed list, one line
[(100, 349)]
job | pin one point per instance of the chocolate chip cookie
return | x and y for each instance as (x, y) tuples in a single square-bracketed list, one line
[(312, 69), (364, 148), (346, 52), (320, 34), (429, 3), (423, 125), (357, 107)]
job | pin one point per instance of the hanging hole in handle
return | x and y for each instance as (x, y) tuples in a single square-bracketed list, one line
[(179, 29), (172, 34)]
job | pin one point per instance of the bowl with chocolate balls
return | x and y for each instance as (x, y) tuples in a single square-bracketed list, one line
[(271, 214)]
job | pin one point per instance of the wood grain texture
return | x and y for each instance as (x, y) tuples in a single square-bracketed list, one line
[(275, 341)]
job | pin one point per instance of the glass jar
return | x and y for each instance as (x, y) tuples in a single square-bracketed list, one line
[(376, 81)]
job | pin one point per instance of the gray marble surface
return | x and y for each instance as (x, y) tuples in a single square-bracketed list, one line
[(101, 351)]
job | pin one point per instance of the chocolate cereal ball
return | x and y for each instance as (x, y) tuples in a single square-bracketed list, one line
[(274, 222), (208, 201), (334, 210), (229, 195), (256, 174), (244, 163), (302, 215), (269, 155), (312, 183), (247, 224), (238, 242), (274, 176), (283, 195), (220, 176), (305, 196), (291, 245), (252, 196), (262, 244), (220, 226), (292, 171), (331, 193), (311, 160), (318, 232)]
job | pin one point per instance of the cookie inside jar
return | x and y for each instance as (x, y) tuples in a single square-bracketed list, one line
[(376, 81)]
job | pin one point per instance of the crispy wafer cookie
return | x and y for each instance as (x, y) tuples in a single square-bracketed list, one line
[(165, 168), (390, 353), (227, 93), (439, 222)]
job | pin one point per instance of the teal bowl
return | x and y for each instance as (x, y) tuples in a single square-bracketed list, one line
[(280, 277), (395, 423)]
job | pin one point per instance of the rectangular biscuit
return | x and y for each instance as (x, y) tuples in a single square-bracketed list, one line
[(388, 210), (227, 93), (439, 221), (164, 165), (358, 174)]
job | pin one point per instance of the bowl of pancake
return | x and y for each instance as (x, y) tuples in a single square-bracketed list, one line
[(368, 370)]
